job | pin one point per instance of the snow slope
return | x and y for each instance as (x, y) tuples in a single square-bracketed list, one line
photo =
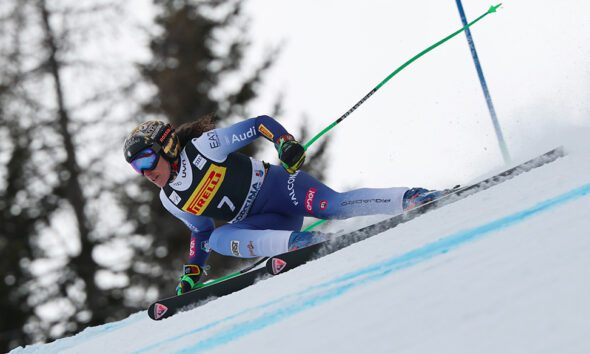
[(504, 271)]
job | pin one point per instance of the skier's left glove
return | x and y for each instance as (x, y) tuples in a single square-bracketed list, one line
[(291, 153), (190, 279)]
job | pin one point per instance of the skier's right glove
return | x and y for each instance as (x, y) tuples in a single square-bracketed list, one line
[(190, 279)]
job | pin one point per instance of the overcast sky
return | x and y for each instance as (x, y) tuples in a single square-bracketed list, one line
[(429, 126)]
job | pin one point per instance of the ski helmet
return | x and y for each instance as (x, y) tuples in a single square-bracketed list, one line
[(154, 134)]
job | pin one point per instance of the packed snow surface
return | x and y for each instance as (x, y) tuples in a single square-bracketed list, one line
[(506, 270)]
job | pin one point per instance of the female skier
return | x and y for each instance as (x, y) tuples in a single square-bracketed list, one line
[(202, 177)]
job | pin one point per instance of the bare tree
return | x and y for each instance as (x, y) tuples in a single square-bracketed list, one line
[(52, 180), (62, 204)]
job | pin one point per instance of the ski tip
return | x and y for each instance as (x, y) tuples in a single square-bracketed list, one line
[(494, 8), (159, 311), (277, 265)]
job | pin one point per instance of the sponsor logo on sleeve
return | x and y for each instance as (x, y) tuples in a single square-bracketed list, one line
[(264, 131), (205, 246), (250, 133), (235, 248), (291, 188), (191, 226), (213, 139), (193, 248), (175, 198), (323, 204), (205, 191), (200, 162), (309, 199)]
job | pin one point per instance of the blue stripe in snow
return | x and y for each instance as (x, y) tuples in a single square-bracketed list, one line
[(255, 319)]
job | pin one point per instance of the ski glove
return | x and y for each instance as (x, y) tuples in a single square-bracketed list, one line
[(291, 153), (190, 279)]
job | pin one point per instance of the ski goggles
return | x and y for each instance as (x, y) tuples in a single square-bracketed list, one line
[(145, 160)]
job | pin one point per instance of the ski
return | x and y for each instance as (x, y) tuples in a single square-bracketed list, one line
[(287, 261), (169, 306), (284, 262)]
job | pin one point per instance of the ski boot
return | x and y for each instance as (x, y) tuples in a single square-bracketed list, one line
[(304, 239), (416, 197), (190, 278)]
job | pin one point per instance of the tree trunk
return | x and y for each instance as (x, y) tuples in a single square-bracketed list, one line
[(83, 264)]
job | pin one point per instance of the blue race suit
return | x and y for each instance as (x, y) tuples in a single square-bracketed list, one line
[(263, 203)]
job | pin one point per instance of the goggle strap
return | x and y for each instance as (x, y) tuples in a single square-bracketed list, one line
[(156, 147)]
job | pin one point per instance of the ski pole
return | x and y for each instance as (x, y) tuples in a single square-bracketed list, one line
[(492, 9), (232, 275)]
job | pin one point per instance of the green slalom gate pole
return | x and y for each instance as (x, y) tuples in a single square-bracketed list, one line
[(229, 276), (492, 9)]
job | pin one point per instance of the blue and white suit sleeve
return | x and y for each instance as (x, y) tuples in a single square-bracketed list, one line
[(201, 228), (216, 144)]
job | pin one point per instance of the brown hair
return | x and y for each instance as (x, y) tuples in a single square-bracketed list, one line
[(188, 131)]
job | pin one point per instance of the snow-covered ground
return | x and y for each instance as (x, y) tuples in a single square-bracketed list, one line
[(504, 271)]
